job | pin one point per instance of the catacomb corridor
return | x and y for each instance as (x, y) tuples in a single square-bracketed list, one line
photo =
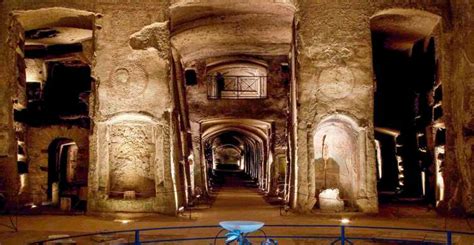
[(158, 107)]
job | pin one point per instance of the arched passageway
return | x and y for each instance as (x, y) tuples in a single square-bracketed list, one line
[(408, 105), (52, 87), (66, 178), (237, 153)]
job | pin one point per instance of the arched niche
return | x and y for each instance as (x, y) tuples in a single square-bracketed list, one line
[(339, 158), (131, 156), (62, 165)]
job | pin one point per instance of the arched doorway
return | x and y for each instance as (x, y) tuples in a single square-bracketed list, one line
[(238, 153), (408, 117), (65, 177)]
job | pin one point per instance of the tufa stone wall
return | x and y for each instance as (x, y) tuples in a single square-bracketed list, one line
[(334, 76), (458, 105), (273, 108), (37, 141), (133, 123)]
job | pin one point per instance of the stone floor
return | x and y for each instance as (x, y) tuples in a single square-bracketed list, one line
[(237, 203)]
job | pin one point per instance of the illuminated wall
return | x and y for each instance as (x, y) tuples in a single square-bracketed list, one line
[(134, 148), (342, 167)]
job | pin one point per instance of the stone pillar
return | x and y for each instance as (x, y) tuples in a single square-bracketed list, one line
[(334, 76), (133, 144), (199, 166), (457, 75), (9, 88)]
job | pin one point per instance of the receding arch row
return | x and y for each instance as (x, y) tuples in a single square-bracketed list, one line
[(252, 138)]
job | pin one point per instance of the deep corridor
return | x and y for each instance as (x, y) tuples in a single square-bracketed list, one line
[(172, 112), (236, 194)]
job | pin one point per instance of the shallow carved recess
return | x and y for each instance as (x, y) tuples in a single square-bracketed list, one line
[(339, 161), (336, 82), (135, 81), (131, 157), (128, 80)]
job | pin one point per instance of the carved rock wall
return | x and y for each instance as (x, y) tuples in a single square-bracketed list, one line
[(333, 45), (133, 153), (455, 73), (131, 159), (334, 75), (458, 75), (37, 142), (131, 137), (273, 108)]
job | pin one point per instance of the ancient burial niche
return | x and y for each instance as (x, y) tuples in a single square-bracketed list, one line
[(131, 159), (338, 167)]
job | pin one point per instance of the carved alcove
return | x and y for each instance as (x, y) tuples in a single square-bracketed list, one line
[(131, 153), (339, 153)]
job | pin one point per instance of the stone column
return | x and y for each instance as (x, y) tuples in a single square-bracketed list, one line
[(9, 179), (334, 76), (457, 75), (133, 145)]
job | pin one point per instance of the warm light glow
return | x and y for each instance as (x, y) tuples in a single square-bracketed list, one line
[(191, 172), (34, 70), (439, 175), (379, 158), (123, 221), (214, 164), (23, 182), (401, 176), (329, 200), (173, 178), (131, 117), (423, 183), (33, 206), (345, 221)]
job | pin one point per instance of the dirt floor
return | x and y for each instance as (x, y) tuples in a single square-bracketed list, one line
[(238, 203)]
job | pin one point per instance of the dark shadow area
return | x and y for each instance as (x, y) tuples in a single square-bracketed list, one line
[(403, 113)]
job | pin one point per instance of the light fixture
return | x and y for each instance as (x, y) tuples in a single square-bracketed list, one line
[(33, 206), (345, 221)]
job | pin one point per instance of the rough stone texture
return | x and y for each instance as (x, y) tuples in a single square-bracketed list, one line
[(133, 81), (454, 55), (458, 76), (128, 80), (272, 109), (38, 141), (152, 36), (236, 26), (334, 76), (9, 180), (133, 153), (131, 161)]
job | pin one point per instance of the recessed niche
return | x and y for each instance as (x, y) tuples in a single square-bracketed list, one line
[(337, 159)]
